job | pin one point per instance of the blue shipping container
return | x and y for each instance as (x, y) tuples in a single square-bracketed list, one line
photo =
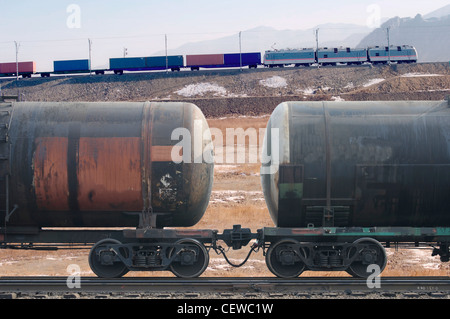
[(127, 63), (71, 66), (234, 59), (173, 61)]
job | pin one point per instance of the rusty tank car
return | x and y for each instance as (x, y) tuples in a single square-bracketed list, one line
[(339, 172), (97, 164), (91, 165)]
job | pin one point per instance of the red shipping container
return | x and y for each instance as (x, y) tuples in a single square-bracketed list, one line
[(24, 67), (204, 59)]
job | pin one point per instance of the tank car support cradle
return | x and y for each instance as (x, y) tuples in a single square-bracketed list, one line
[(290, 251)]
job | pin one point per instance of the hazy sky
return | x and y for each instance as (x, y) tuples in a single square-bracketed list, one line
[(59, 29)]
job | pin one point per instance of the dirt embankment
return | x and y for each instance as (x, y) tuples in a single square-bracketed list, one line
[(250, 92)]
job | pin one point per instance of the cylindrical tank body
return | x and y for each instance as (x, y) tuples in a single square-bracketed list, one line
[(358, 164), (102, 164)]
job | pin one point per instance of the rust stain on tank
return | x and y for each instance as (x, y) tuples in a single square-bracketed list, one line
[(165, 153), (109, 174), (50, 173)]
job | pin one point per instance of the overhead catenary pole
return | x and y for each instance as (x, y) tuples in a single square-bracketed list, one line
[(388, 29), (240, 49), (317, 46), (17, 44), (90, 56), (167, 57)]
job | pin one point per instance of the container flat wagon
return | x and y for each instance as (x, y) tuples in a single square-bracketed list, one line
[(118, 65), (26, 69), (227, 60)]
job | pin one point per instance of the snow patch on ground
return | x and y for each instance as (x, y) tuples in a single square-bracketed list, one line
[(227, 196), (274, 82), (372, 82), (350, 85), (200, 89), (418, 74), (307, 91)]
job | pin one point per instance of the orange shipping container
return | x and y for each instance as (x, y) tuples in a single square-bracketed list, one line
[(204, 60), (24, 67)]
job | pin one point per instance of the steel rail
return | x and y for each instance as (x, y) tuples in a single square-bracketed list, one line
[(223, 285)]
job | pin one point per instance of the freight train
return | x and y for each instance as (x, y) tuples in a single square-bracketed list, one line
[(341, 180), (281, 58)]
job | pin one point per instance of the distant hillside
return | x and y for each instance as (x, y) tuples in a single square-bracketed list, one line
[(431, 36), (439, 13), (264, 38)]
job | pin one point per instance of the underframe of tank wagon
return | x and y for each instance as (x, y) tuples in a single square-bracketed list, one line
[(114, 251), (288, 251)]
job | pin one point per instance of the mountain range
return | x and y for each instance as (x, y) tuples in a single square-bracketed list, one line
[(430, 34)]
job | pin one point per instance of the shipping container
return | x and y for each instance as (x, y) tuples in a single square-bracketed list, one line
[(128, 64), (68, 66), (174, 62), (251, 60), (195, 61), (25, 68)]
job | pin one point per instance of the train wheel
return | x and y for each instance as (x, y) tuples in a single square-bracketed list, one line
[(283, 261), (192, 260), (104, 262), (370, 252)]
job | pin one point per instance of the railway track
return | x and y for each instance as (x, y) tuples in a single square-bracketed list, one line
[(209, 287)]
